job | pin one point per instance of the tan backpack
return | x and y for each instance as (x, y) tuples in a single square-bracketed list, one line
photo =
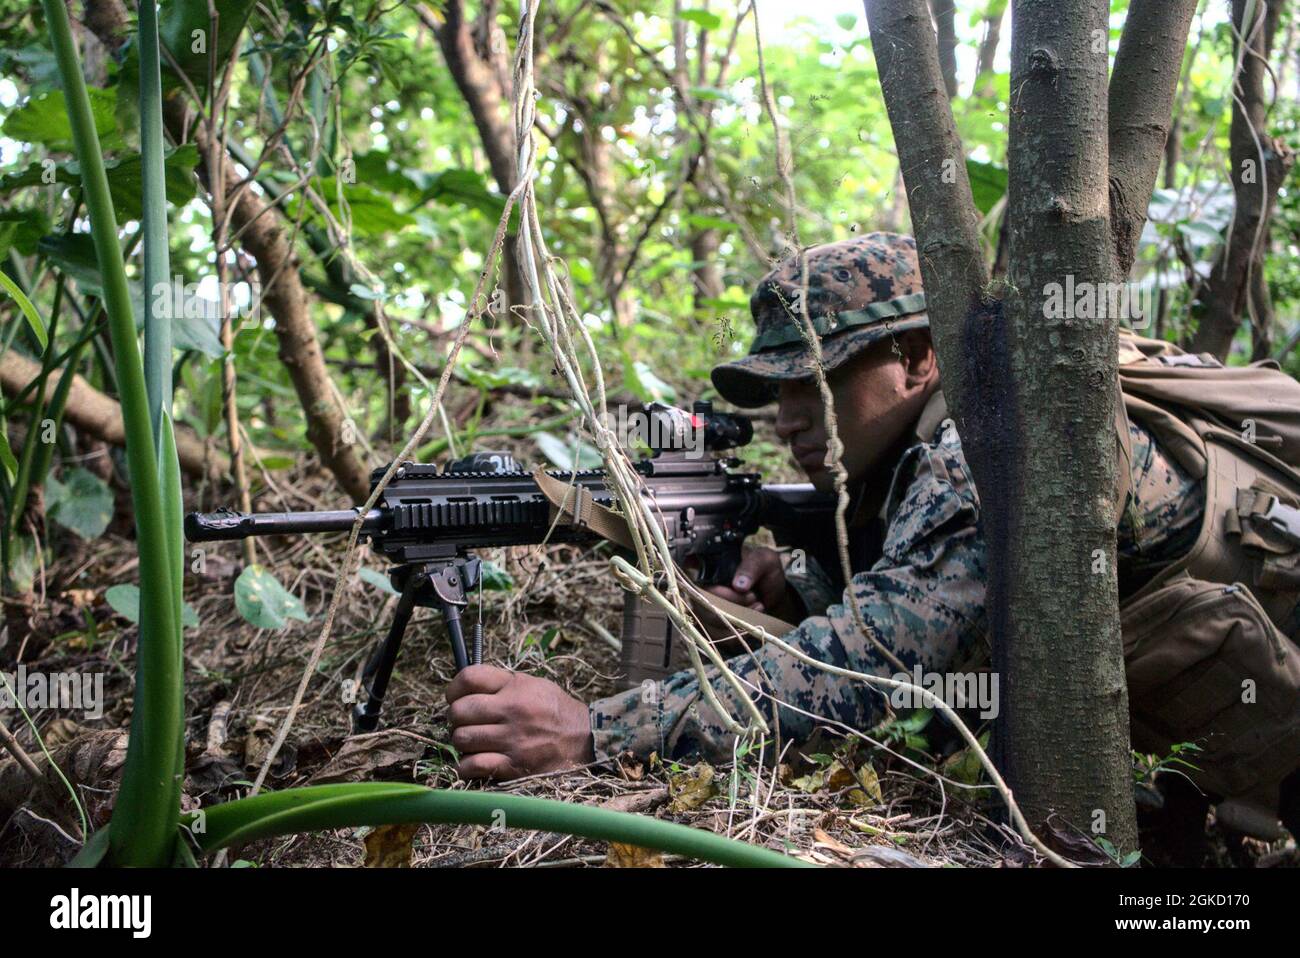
[(1210, 643)]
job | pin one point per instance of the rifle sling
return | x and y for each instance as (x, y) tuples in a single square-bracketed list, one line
[(575, 505)]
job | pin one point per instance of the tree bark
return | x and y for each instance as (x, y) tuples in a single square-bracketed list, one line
[(1033, 397), (1230, 291), (262, 236), (1142, 86), (482, 86), (1064, 654), (993, 17), (100, 416), (945, 26)]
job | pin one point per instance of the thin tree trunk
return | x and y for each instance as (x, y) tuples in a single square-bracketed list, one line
[(481, 85), (945, 26), (1063, 654), (1230, 292), (261, 235), (993, 16), (1147, 67), (1033, 397)]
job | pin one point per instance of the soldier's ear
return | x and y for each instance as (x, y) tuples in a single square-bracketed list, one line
[(916, 353)]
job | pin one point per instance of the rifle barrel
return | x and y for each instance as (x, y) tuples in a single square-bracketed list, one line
[(219, 526)]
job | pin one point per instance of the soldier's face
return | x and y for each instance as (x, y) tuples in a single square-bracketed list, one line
[(878, 396)]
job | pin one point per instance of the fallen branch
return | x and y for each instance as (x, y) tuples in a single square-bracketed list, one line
[(100, 416)]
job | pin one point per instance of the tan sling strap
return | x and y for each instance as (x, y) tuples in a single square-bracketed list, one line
[(575, 505)]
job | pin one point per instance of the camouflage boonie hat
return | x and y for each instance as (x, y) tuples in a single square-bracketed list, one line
[(860, 290)]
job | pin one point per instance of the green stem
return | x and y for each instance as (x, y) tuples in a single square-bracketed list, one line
[(385, 803), (143, 831)]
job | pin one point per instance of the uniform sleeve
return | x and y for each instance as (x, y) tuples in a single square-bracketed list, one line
[(815, 588), (924, 600)]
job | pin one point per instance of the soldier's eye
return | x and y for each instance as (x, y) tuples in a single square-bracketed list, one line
[(843, 275)]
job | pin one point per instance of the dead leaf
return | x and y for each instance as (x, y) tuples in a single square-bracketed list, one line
[(364, 755), (691, 789), (633, 856), (389, 846)]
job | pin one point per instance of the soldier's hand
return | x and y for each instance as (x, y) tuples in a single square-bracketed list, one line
[(508, 724), (759, 583)]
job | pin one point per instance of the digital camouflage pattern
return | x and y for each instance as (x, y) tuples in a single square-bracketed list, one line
[(923, 598), (860, 290)]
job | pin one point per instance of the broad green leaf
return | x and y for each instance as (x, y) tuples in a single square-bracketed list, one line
[(125, 601), (123, 179), (82, 503), (28, 310), (1201, 234), (560, 452), (495, 578), (504, 376), (262, 601), (22, 229), (846, 21), (466, 188), (646, 386), (44, 119), (710, 222), (709, 21), (988, 183), (184, 27), (378, 579)]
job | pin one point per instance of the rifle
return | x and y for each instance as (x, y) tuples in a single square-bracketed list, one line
[(427, 523)]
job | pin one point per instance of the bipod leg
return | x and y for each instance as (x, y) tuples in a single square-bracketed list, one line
[(379, 668)]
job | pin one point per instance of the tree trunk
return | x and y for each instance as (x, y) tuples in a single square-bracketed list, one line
[(945, 26), (481, 85), (1230, 290), (1147, 68), (993, 17), (261, 235), (706, 274), (1062, 655), (1033, 396)]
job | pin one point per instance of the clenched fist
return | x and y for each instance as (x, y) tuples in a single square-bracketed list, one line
[(508, 724)]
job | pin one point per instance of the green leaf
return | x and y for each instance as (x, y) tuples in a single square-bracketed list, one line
[(560, 452), (988, 184), (263, 602), (709, 21), (7, 460), (372, 213), (22, 229), (178, 21), (710, 223), (378, 579), (125, 601), (28, 310), (123, 179), (44, 119), (846, 21), (1201, 234), (495, 578), (82, 504), (465, 188), (646, 386)]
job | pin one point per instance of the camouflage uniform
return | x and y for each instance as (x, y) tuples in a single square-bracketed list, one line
[(922, 593)]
